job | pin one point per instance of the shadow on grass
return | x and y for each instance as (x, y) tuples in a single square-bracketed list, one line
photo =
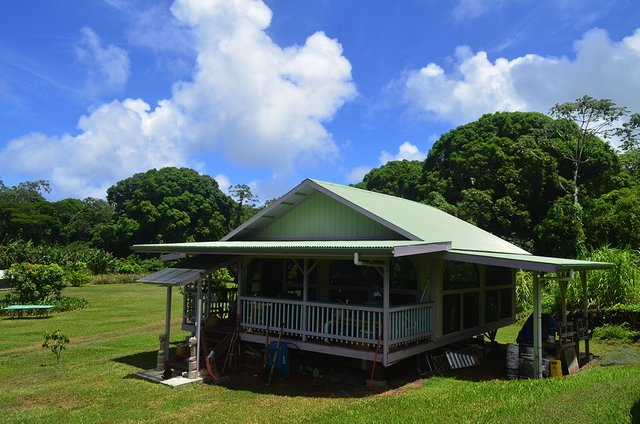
[(142, 360), (337, 382), (26, 317), (635, 412)]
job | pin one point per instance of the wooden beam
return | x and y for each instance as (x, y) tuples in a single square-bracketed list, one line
[(167, 326), (198, 324), (385, 314)]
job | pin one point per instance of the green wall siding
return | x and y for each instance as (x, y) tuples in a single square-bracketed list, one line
[(323, 218)]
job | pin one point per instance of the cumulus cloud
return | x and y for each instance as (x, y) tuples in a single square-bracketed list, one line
[(223, 182), (601, 68), (108, 68), (406, 151), (248, 100), (357, 174)]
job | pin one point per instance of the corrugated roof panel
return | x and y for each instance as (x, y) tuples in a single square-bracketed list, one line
[(422, 221), (173, 276), (231, 247), (527, 262)]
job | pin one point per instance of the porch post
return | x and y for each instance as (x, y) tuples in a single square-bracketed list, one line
[(585, 310), (537, 328), (198, 324), (240, 277), (305, 297), (385, 313), (167, 326)]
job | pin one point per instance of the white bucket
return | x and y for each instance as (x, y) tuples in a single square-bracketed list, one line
[(512, 361)]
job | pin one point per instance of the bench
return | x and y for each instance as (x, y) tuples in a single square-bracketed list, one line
[(20, 310)]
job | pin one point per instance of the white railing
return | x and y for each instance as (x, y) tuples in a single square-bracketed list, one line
[(351, 323), (263, 314), (337, 322), (410, 323)]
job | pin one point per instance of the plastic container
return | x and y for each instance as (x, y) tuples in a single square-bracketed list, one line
[(555, 368)]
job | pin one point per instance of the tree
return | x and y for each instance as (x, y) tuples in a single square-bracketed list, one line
[(578, 126), (630, 133), (490, 173), (398, 178), (27, 191), (167, 205), (246, 202), (575, 135)]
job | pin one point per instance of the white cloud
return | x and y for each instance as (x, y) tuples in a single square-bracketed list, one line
[(249, 100), (357, 174), (108, 67), (406, 151), (223, 182), (601, 68)]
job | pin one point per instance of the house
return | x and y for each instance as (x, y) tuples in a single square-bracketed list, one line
[(353, 273)]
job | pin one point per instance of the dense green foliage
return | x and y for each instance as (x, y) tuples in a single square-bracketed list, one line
[(509, 174), (397, 178), (166, 205), (169, 205), (32, 283), (607, 289)]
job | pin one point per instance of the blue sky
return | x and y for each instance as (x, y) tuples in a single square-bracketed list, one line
[(267, 94)]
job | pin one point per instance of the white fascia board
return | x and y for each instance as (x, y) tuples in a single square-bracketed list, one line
[(420, 249)]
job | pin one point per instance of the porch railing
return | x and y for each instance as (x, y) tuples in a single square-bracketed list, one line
[(410, 323), (337, 322)]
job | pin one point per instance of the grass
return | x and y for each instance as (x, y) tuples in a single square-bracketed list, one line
[(116, 336)]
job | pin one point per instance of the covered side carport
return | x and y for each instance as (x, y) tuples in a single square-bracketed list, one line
[(544, 269)]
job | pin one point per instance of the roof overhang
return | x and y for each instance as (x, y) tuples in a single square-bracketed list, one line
[(389, 248), (174, 276), (525, 262)]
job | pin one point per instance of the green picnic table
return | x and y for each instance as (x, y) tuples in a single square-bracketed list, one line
[(20, 310)]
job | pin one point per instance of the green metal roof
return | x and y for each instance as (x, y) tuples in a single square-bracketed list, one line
[(413, 220), (376, 247), (527, 262)]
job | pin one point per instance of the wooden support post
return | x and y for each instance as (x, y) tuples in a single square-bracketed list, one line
[(167, 325), (537, 328), (385, 313), (198, 325), (305, 298), (585, 311), (241, 289)]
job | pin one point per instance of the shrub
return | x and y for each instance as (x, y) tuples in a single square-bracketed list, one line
[(133, 264), (524, 293), (66, 303), (76, 274), (115, 278), (33, 282), (98, 261), (614, 332), (56, 342), (619, 285)]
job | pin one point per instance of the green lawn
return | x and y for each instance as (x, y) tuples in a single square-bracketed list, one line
[(117, 336)]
